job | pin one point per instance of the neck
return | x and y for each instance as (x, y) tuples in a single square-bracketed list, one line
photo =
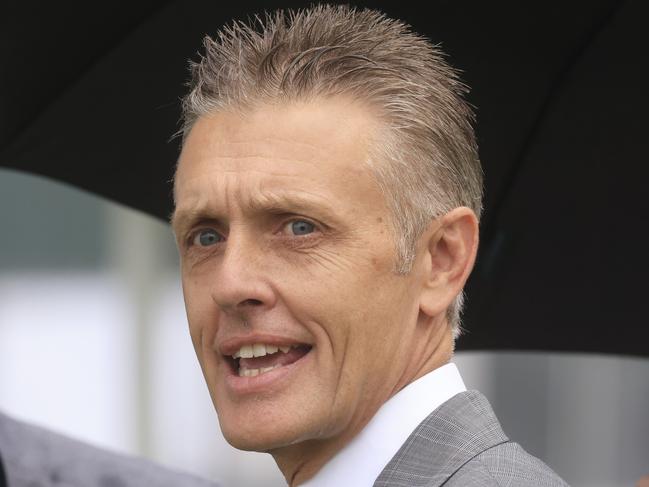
[(298, 463), (435, 348), (301, 461)]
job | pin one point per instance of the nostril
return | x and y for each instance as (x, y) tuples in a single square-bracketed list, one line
[(251, 302)]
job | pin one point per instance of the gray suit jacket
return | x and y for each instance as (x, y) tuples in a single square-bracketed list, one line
[(35, 457), (461, 444)]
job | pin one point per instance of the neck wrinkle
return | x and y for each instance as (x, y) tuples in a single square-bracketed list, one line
[(299, 469), (437, 351)]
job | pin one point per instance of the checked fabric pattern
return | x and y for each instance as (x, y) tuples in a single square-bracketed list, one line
[(461, 444)]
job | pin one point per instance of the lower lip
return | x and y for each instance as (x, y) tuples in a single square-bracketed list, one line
[(267, 381)]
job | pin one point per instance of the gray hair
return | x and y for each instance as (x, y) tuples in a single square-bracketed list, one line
[(427, 161)]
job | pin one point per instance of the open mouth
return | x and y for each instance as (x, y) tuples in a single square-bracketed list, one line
[(259, 358)]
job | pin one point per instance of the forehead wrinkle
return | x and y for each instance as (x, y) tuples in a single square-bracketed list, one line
[(254, 199), (268, 141), (222, 166), (213, 163), (264, 157), (274, 147), (289, 201), (195, 187)]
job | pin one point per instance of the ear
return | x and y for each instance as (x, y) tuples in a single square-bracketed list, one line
[(450, 246)]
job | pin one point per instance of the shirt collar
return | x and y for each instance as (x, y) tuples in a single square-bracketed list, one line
[(363, 459)]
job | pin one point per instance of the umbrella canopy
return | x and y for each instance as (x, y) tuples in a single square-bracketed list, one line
[(90, 97)]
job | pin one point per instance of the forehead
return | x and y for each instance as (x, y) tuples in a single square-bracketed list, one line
[(320, 145)]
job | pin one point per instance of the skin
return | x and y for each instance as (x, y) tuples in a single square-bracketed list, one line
[(245, 179)]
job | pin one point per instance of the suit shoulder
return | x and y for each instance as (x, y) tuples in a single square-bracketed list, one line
[(507, 464), (37, 456)]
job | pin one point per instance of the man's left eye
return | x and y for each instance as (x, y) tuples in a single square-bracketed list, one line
[(300, 227)]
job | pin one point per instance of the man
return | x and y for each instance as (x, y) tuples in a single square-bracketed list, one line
[(327, 203)]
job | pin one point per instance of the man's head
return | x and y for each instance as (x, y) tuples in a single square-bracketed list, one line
[(425, 161), (326, 202)]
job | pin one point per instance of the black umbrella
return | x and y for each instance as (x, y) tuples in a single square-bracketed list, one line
[(90, 97)]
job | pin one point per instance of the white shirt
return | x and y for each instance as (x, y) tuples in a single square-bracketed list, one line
[(363, 459)]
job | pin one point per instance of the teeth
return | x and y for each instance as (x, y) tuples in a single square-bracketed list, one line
[(260, 350), (254, 372), (246, 351)]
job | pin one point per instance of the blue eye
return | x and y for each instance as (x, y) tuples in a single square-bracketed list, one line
[(207, 237), (301, 227)]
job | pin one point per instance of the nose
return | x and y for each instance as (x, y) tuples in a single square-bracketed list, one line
[(241, 279)]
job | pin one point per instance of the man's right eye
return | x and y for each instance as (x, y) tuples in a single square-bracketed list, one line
[(206, 237)]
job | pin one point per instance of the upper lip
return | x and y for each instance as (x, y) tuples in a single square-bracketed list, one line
[(231, 345)]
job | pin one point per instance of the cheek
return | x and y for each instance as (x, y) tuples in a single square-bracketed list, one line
[(197, 306), (347, 311), (339, 280)]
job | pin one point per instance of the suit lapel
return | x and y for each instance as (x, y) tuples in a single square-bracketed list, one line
[(457, 431)]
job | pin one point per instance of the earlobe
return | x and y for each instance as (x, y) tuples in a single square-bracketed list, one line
[(451, 246)]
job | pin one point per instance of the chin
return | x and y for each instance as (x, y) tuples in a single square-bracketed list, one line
[(264, 425), (265, 438)]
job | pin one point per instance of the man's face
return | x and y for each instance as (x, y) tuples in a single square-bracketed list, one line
[(286, 251)]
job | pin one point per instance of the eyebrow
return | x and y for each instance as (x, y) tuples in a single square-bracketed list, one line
[(183, 218)]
